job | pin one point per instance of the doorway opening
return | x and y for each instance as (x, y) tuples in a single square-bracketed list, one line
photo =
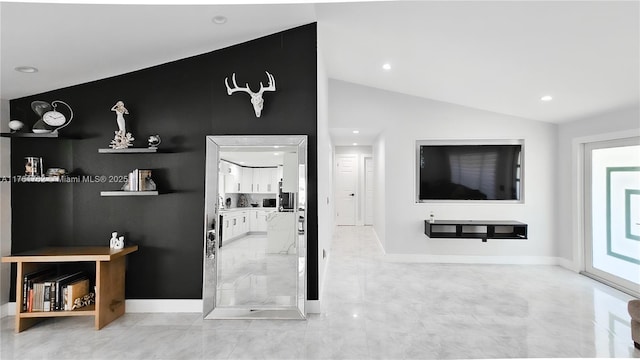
[(612, 213)]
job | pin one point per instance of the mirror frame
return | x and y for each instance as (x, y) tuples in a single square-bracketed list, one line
[(211, 230)]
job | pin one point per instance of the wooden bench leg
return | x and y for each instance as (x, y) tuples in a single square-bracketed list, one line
[(110, 277)]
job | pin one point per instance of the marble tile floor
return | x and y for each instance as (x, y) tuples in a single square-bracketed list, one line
[(373, 309), (250, 275)]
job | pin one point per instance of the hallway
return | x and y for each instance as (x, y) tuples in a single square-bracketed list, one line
[(372, 309)]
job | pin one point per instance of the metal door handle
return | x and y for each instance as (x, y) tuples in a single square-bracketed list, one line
[(352, 194)]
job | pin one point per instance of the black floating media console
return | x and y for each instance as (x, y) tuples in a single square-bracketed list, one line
[(475, 229)]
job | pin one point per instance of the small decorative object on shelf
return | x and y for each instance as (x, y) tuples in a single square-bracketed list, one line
[(15, 125), (139, 180), (51, 120), (55, 172), (122, 138), (256, 97), (154, 141), (119, 243), (86, 300), (33, 166), (116, 242), (432, 218), (113, 240)]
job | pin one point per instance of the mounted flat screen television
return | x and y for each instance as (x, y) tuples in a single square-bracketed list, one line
[(479, 171)]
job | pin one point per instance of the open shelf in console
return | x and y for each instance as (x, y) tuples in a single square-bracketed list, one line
[(475, 229)]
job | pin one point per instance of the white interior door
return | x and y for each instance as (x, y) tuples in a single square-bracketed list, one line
[(346, 183), (612, 212), (368, 189)]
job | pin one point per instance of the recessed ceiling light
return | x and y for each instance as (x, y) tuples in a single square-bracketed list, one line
[(219, 19), (26, 69), (356, 131), (355, 144), (386, 66), (546, 98), (276, 146), (276, 154)]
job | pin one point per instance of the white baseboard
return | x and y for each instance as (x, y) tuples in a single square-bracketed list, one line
[(11, 308), (568, 264), (313, 307), (164, 306), (148, 306), (469, 259)]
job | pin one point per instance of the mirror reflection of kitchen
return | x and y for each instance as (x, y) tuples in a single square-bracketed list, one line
[(258, 187)]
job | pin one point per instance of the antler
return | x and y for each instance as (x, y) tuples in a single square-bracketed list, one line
[(256, 98), (272, 84), (247, 89), (235, 86)]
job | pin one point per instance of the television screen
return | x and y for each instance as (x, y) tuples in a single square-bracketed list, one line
[(470, 172)]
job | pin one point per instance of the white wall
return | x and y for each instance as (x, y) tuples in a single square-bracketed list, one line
[(404, 119), (5, 208), (361, 152), (379, 180), (325, 176), (614, 124)]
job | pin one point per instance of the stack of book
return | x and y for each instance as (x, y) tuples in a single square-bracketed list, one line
[(43, 290), (140, 180)]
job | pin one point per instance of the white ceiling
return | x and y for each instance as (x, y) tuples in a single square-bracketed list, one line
[(500, 56)]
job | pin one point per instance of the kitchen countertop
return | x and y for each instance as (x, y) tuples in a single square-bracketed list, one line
[(238, 209)]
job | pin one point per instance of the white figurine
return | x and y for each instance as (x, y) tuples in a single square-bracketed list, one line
[(120, 243), (120, 111), (114, 240), (122, 138)]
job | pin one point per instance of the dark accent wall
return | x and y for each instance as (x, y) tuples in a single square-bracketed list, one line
[(183, 101)]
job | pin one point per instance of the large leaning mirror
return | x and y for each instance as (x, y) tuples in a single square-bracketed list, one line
[(255, 224)]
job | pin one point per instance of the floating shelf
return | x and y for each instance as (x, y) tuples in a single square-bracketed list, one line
[(475, 229), (39, 179), (29, 135), (127, 151), (128, 193)]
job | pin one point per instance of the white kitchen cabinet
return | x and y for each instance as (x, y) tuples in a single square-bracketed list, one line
[(227, 227), (243, 223), (247, 180), (235, 224), (259, 180), (232, 178), (264, 180), (272, 180)]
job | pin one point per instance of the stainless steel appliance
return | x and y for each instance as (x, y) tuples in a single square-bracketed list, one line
[(287, 200), (269, 203)]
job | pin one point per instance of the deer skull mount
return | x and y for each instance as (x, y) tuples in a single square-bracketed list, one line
[(256, 97)]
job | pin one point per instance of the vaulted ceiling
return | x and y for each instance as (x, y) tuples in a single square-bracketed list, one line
[(500, 56)]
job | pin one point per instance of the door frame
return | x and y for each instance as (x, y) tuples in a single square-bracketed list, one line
[(356, 198), (587, 259), (577, 264), (365, 204)]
